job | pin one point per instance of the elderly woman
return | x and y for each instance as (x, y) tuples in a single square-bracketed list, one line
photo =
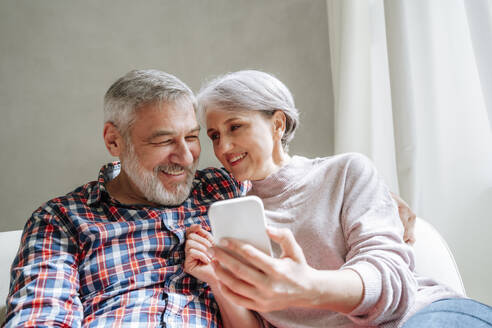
[(342, 261)]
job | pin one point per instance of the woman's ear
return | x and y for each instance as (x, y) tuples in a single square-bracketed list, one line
[(113, 139), (279, 120)]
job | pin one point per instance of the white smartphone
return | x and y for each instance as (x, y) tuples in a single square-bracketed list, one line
[(240, 218)]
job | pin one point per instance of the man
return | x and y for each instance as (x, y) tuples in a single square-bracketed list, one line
[(111, 252)]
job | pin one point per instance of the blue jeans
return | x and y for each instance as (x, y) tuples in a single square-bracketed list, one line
[(452, 313)]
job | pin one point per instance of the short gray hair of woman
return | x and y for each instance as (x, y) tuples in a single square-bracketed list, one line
[(250, 90), (138, 88)]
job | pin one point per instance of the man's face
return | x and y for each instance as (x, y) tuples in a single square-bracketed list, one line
[(162, 151)]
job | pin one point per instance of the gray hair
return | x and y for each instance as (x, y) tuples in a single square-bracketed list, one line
[(138, 88), (250, 90)]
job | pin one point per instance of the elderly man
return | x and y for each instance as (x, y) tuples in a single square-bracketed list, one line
[(111, 252)]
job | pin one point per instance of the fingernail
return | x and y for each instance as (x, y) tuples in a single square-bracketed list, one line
[(224, 242)]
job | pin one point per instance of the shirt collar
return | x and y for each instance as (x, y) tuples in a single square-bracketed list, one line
[(107, 173)]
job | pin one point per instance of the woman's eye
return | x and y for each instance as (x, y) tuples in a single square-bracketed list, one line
[(213, 136), (235, 127)]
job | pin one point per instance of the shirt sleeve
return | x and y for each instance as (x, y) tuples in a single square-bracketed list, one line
[(376, 251), (220, 184), (44, 278)]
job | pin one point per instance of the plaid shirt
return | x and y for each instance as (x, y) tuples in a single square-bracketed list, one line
[(87, 260)]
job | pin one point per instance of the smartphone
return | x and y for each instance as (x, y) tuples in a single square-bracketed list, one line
[(240, 218)]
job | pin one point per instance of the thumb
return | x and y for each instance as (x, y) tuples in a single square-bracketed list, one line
[(288, 244)]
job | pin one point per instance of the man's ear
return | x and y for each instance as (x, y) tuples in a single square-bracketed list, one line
[(113, 139), (279, 120)]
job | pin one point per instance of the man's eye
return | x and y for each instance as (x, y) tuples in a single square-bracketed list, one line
[(192, 138), (235, 127), (162, 143)]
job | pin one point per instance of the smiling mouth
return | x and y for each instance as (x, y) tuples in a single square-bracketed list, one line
[(236, 158), (173, 172)]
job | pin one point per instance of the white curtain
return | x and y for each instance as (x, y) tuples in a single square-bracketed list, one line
[(413, 91)]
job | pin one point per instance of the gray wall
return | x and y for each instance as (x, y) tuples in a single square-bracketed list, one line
[(58, 57)]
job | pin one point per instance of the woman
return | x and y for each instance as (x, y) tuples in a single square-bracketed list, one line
[(341, 260)]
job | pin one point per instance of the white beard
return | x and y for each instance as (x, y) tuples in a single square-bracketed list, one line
[(149, 184)]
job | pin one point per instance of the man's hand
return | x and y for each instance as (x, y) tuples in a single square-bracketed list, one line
[(408, 218), (197, 262)]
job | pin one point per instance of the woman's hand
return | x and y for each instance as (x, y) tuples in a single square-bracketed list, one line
[(197, 262), (264, 283), (408, 219)]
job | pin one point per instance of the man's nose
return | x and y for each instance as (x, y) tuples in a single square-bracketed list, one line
[(183, 155)]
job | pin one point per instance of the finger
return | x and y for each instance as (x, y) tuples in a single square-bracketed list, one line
[(255, 258), (409, 240), (194, 228), (199, 239), (198, 229), (192, 244), (240, 269), (197, 255), (409, 225), (238, 299), (399, 201), (403, 217), (289, 245), (207, 235), (411, 220), (229, 279), (409, 235)]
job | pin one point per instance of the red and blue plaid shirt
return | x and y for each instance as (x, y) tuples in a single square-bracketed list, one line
[(86, 260)]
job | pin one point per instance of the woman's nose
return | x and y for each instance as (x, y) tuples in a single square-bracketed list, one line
[(224, 145)]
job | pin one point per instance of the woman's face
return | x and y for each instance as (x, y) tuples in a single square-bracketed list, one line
[(244, 141)]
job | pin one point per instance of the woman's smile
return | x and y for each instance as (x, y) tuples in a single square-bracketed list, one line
[(235, 159), (245, 142)]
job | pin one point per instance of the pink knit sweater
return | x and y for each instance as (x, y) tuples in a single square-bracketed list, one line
[(342, 215)]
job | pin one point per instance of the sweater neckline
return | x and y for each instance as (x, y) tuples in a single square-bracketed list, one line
[(278, 182)]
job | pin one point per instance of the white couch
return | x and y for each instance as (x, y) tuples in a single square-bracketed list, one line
[(9, 243), (433, 259)]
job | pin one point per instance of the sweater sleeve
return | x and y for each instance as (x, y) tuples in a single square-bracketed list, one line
[(374, 239)]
